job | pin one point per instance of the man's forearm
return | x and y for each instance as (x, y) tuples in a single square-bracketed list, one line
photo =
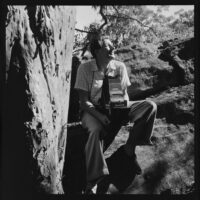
[(89, 107)]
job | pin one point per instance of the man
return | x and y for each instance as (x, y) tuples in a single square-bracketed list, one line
[(100, 124)]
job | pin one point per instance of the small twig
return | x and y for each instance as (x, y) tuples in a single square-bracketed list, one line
[(104, 17), (73, 124), (116, 10), (75, 50), (83, 31)]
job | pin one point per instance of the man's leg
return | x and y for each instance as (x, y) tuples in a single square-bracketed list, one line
[(118, 118), (96, 166), (143, 114)]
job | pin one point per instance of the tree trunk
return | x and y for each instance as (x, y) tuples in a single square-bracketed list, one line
[(39, 42)]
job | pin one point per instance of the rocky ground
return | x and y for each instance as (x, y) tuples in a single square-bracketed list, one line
[(168, 165), (165, 76)]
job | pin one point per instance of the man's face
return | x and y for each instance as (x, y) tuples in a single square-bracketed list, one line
[(107, 50)]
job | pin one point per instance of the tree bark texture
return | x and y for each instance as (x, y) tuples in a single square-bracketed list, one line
[(39, 42)]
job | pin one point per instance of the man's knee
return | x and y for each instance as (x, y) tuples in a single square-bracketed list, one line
[(152, 105)]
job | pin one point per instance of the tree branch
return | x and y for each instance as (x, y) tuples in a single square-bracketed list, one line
[(128, 17), (94, 32), (75, 50), (116, 10), (104, 17), (83, 31)]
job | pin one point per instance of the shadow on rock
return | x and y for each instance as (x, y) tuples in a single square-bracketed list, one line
[(154, 174), (121, 169)]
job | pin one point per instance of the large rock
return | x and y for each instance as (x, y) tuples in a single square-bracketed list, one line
[(39, 43), (176, 104), (150, 73), (180, 54)]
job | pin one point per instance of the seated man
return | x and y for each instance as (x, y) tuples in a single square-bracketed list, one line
[(103, 127)]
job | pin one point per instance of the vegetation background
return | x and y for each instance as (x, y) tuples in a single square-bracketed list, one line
[(135, 24)]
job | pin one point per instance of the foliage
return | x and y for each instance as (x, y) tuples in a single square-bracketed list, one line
[(78, 41), (136, 24)]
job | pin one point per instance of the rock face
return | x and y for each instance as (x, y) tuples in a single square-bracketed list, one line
[(39, 43), (151, 73)]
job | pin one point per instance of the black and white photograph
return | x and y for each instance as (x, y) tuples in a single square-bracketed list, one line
[(98, 100)]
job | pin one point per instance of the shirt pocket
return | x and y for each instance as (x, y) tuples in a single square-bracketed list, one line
[(97, 84)]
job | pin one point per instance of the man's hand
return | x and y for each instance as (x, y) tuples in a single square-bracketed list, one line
[(104, 120), (89, 107)]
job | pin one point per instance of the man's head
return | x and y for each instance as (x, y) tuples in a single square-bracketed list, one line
[(102, 47)]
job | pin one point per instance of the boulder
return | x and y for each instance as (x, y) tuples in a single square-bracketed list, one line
[(180, 54), (151, 73), (176, 104)]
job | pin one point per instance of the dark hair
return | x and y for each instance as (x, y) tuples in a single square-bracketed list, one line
[(96, 43)]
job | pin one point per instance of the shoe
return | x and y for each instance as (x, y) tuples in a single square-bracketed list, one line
[(90, 188), (88, 191)]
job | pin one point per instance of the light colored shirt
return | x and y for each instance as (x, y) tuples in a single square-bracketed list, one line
[(90, 79)]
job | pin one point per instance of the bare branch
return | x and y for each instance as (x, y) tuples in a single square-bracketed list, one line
[(116, 10), (83, 31), (92, 34), (75, 50), (104, 17), (128, 17)]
